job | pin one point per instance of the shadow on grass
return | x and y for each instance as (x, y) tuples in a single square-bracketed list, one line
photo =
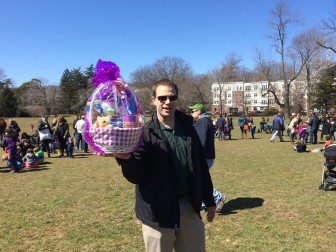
[(8, 170), (83, 155), (35, 169), (47, 163), (240, 203), (5, 170)]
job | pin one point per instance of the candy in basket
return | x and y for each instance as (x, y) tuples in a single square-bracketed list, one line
[(113, 115)]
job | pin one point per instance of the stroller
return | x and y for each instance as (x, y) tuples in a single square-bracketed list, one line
[(328, 173)]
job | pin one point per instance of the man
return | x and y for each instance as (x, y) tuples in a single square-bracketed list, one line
[(206, 133), (171, 176), (314, 123), (80, 130), (220, 124), (278, 126)]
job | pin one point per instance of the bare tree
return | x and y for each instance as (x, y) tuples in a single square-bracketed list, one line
[(219, 78), (281, 19), (46, 96), (269, 70), (230, 70), (201, 89), (329, 31), (306, 51), (172, 68)]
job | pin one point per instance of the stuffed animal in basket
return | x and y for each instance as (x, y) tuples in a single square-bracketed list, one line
[(114, 121)]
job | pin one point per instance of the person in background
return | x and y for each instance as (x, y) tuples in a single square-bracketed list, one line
[(278, 126), (80, 129), (262, 123), (241, 123), (14, 127), (11, 149), (314, 126), (3, 126), (39, 154), (328, 142), (45, 131), (62, 133), (229, 127), (220, 124), (325, 126), (70, 147), (206, 133), (30, 160), (253, 130), (75, 133)]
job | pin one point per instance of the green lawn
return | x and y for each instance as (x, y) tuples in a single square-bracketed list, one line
[(85, 204)]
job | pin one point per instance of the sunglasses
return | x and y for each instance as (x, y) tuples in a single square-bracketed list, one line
[(164, 98)]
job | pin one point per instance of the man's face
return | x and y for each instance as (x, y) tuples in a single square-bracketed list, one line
[(165, 101), (196, 114)]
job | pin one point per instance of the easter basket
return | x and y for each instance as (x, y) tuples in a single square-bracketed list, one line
[(114, 121)]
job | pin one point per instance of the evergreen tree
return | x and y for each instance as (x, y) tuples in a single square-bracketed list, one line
[(325, 93), (8, 102)]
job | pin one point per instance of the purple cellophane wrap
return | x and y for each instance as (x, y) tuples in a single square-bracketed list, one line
[(113, 101), (105, 71)]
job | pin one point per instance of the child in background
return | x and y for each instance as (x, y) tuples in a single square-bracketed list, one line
[(228, 132), (31, 126), (253, 130), (303, 133), (245, 128), (328, 142), (11, 149), (39, 154), (30, 160), (70, 147)]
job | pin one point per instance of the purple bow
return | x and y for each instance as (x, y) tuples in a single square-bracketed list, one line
[(105, 71)]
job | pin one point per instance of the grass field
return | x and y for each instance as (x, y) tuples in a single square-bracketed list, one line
[(85, 204)]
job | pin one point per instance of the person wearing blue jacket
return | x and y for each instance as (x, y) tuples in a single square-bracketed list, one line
[(278, 127), (241, 123)]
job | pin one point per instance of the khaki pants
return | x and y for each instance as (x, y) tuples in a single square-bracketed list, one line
[(189, 237)]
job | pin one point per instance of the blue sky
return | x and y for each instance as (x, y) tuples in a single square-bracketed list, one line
[(41, 38)]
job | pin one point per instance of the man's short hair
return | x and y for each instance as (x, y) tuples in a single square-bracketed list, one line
[(164, 82)]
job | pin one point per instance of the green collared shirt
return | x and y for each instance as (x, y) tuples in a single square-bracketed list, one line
[(177, 139)]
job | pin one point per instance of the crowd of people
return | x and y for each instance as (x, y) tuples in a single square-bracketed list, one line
[(23, 150), (296, 129)]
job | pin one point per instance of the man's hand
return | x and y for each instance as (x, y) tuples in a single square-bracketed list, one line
[(211, 211)]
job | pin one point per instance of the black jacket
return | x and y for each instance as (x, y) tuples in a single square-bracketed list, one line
[(152, 169), (314, 123)]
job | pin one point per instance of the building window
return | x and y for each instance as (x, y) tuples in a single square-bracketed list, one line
[(264, 87), (240, 88), (255, 87), (229, 95), (229, 87), (229, 102), (264, 102), (255, 94), (255, 101), (248, 88)]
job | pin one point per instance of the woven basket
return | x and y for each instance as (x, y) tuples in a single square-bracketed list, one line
[(117, 140)]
